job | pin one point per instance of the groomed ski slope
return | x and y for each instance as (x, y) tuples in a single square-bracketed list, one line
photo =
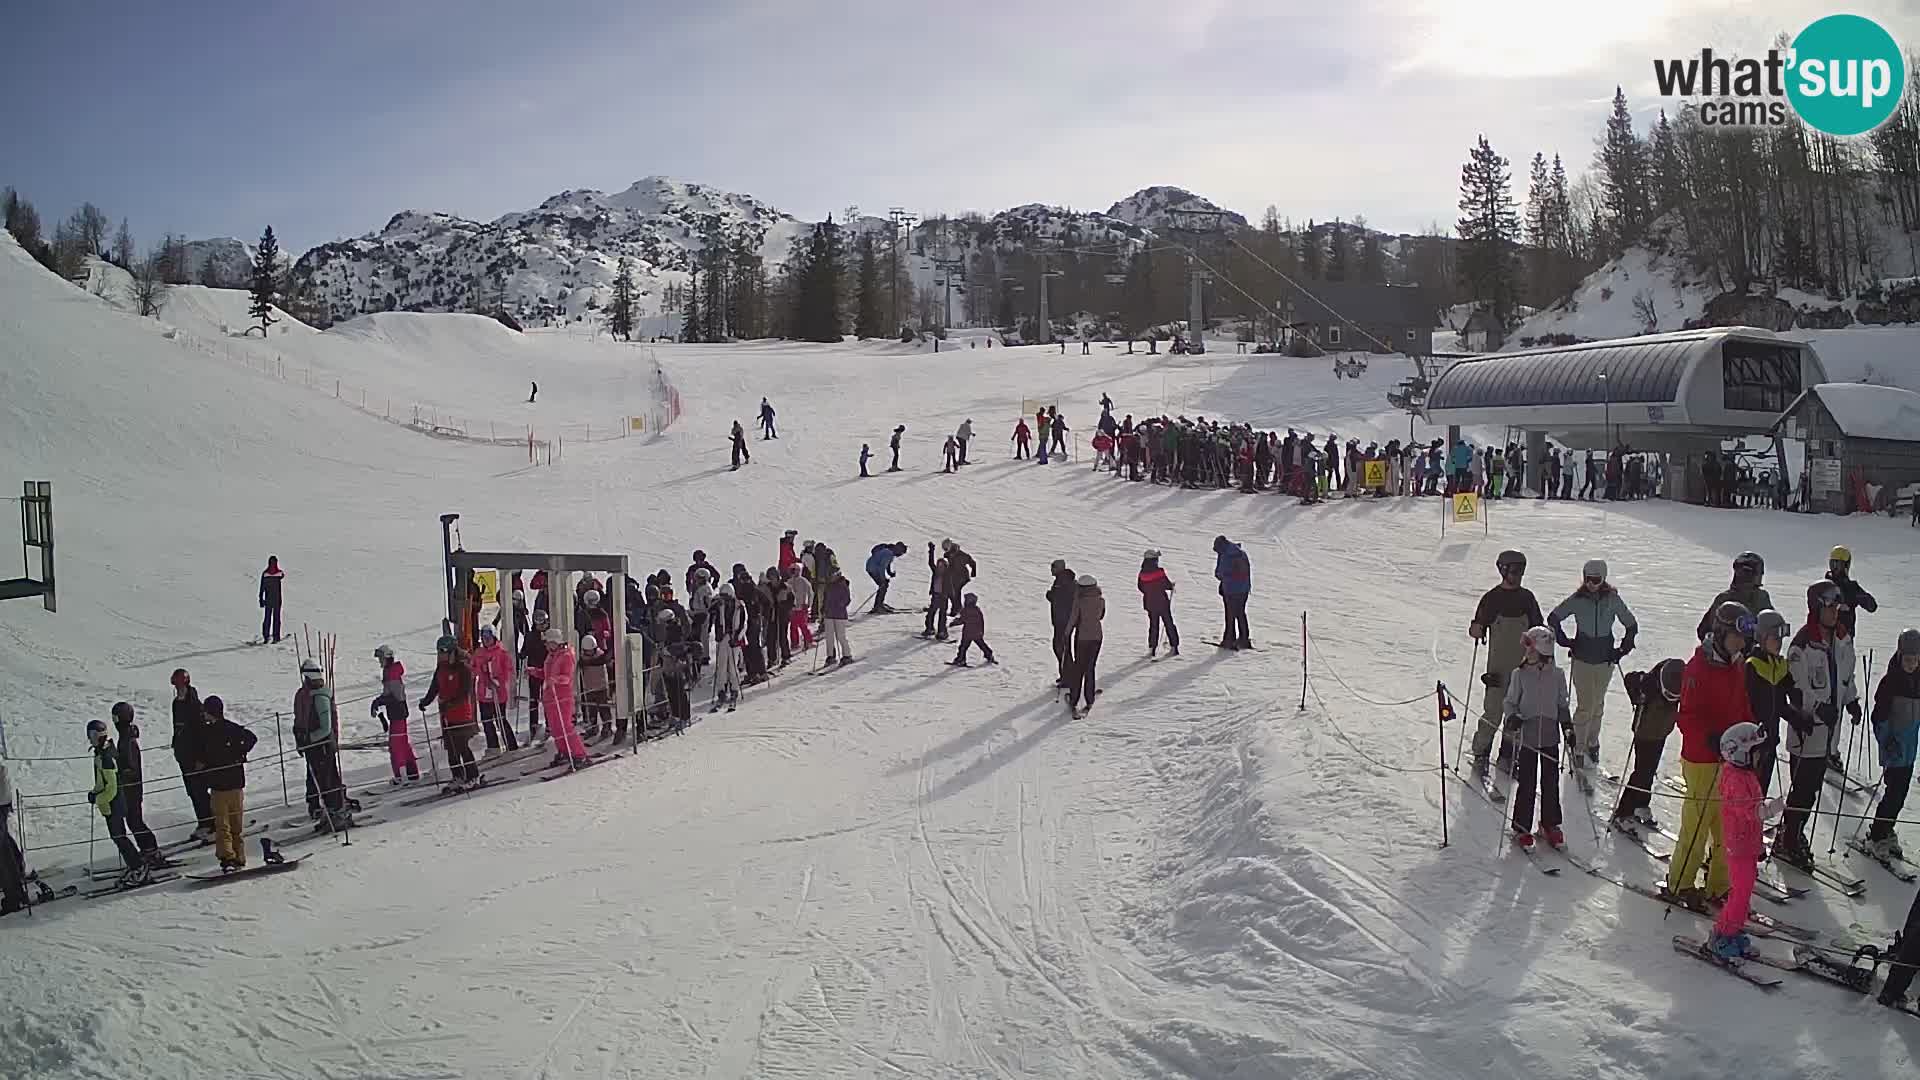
[(900, 869)]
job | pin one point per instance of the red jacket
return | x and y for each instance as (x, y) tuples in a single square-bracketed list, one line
[(1713, 698), (453, 687)]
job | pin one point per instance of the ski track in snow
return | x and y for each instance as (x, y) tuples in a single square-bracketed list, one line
[(898, 870)]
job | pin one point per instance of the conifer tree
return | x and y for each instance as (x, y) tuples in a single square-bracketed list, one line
[(1337, 252), (1489, 227), (266, 280), (620, 314), (692, 327), (1622, 161), (867, 323), (1312, 254)]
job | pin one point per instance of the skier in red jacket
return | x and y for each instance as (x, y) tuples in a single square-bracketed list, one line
[(1713, 698)]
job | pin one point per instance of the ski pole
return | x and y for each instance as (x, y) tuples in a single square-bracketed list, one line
[(1466, 708), (1702, 807), (1840, 800)]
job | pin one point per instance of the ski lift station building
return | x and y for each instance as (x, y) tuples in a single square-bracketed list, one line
[(1680, 394)]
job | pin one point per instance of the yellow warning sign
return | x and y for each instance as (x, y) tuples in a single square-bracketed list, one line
[(1375, 475), (489, 582), (1466, 507)]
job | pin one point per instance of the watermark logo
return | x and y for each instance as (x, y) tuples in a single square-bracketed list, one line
[(1844, 75)]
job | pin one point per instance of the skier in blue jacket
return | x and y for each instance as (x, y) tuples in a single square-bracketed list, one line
[(1462, 466), (880, 569), (1235, 575)]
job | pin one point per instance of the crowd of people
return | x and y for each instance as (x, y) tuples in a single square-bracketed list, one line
[(1758, 694)]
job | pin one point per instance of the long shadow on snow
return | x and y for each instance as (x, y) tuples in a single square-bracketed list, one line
[(998, 759), (976, 735)]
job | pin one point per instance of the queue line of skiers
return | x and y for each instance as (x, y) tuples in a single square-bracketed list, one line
[(1752, 673)]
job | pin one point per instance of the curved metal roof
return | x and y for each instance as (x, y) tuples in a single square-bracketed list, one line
[(1638, 370)]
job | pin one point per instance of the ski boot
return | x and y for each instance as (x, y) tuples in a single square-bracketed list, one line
[(1793, 851), (1556, 839), (270, 854), (582, 763), (1643, 817), (1153, 651), (135, 876), (1730, 946), (991, 662), (845, 660), (1173, 650), (1524, 838), (1880, 847), (957, 662), (228, 866), (1479, 767)]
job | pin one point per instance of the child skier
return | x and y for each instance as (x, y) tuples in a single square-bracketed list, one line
[(973, 631), (226, 746), (1538, 710), (1742, 807), (493, 678), (952, 450), (557, 685), (1022, 440), (390, 708), (729, 618), (799, 629), (594, 688), (1655, 694), (866, 453), (1896, 728), (1771, 691)]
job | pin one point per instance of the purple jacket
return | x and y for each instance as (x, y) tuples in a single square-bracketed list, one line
[(839, 597)]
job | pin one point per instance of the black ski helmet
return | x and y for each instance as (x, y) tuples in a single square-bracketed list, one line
[(1748, 565), (1820, 593), (1909, 642), (1511, 561), (1672, 675), (1730, 616)]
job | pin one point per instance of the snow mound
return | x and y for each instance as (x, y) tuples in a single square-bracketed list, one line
[(1865, 411)]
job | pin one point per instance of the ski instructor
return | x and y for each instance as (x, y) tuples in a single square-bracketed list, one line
[(1506, 612)]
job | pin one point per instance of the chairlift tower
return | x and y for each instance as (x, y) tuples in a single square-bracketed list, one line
[(1196, 224)]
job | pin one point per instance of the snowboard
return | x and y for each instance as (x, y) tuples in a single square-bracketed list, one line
[(247, 871)]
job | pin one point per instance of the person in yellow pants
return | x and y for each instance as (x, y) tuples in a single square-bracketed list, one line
[(1713, 698)]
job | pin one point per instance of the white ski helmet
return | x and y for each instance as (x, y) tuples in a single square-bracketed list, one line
[(1538, 641), (593, 598), (309, 669), (553, 637), (1085, 581), (383, 652), (590, 643), (1738, 742), (726, 589)]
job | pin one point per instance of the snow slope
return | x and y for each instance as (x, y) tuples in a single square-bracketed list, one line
[(902, 869)]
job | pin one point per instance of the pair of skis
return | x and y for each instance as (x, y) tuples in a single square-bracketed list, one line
[(448, 791)]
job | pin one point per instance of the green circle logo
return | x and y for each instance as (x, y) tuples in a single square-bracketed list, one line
[(1847, 75)]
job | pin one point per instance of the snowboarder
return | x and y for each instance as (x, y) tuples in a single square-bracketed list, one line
[(839, 597), (729, 618), (316, 735), (1536, 710), (132, 793), (391, 710), (880, 569), (1748, 570), (1505, 612), (227, 745), (493, 674), (1655, 694), (187, 720), (1085, 626), (740, 454), (557, 684), (1743, 806), (452, 687), (1854, 598), (1156, 596), (973, 631), (1771, 692), (1235, 575), (952, 450), (1713, 698), (1595, 606), (866, 454), (766, 422), (1022, 439), (1821, 658), (963, 436), (1896, 730), (894, 445), (1060, 598), (270, 581), (106, 799)]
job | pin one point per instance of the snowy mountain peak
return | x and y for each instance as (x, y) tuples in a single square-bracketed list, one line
[(1151, 207)]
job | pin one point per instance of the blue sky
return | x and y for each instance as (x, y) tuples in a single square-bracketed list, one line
[(324, 118)]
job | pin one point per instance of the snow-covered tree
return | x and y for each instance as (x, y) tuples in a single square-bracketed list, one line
[(620, 314)]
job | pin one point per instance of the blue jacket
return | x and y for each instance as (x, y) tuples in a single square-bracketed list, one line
[(1462, 456), (1233, 571), (1896, 717), (880, 563)]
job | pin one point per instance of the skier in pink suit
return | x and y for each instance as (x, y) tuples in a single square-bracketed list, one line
[(557, 699), (493, 679), (391, 708), (1743, 806)]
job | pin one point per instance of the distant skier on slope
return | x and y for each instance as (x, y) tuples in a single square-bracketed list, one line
[(964, 435), (766, 421), (270, 581), (880, 569), (1022, 440), (1085, 625), (1060, 598), (1235, 574), (973, 631), (961, 570), (740, 454), (1156, 596), (894, 445), (534, 393), (936, 596)]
